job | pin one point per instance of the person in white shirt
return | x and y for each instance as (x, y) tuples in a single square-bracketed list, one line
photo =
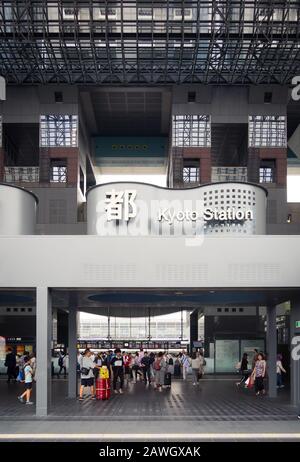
[(279, 370), (87, 374), (186, 364)]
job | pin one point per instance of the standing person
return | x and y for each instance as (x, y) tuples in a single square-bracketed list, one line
[(177, 366), (127, 366), (145, 364), (117, 370), (10, 363), (254, 358), (28, 373), (152, 359), (87, 374), (17, 365), (136, 367), (259, 373), (244, 370), (33, 364), (197, 367), (160, 367), (279, 370), (66, 364)]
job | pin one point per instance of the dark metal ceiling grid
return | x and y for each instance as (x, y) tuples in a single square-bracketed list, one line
[(146, 42)]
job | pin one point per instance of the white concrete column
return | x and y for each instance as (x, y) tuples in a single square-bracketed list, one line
[(43, 350), (272, 350), (72, 350)]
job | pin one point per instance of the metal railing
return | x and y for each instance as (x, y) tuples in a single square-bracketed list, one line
[(21, 174)]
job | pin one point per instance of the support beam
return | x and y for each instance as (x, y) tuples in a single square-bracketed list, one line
[(43, 350), (72, 350), (272, 350), (193, 329), (295, 352)]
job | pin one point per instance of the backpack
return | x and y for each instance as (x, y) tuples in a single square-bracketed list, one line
[(21, 375), (171, 362)]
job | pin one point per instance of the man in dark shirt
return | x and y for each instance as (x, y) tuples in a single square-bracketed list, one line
[(10, 363), (117, 370), (146, 363)]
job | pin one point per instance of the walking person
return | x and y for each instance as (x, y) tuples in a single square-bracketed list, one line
[(117, 370), (259, 373), (61, 364), (28, 379), (10, 363), (186, 364), (87, 374), (279, 370), (244, 370)]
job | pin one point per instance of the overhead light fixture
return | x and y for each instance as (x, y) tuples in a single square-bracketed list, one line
[(179, 293)]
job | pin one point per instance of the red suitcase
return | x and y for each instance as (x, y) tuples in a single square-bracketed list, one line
[(102, 389)]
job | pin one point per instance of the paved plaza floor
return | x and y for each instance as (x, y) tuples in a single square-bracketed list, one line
[(216, 409)]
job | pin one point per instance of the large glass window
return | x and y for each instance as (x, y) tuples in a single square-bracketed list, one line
[(267, 131), (58, 130), (191, 130)]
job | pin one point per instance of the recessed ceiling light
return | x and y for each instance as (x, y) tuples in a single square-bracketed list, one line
[(179, 293), (212, 291)]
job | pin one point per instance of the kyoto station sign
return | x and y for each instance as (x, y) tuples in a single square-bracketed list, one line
[(132, 209)]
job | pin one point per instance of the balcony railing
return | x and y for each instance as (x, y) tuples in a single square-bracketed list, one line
[(219, 174), (21, 174)]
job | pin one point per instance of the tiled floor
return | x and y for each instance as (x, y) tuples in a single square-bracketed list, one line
[(216, 399)]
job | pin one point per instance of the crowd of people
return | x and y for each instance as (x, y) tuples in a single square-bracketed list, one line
[(156, 369), (256, 374)]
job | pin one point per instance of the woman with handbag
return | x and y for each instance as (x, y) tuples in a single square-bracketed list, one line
[(259, 373)]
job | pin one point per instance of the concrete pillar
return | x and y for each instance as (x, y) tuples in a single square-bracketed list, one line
[(272, 350), (43, 350), (72, 350), (193, 329), (295, 352)]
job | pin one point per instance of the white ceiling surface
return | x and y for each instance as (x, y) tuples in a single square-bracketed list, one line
[(149, 262)]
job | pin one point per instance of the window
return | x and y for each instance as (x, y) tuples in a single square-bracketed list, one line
[(58, 171), (58, 97), (267, 171), (267, 131), (191, 97), (58, 130), (191, 130), (191, 172), (268, 97)]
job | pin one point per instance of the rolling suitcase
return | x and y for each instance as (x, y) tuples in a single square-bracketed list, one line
[(168, 379), (102, 389)]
